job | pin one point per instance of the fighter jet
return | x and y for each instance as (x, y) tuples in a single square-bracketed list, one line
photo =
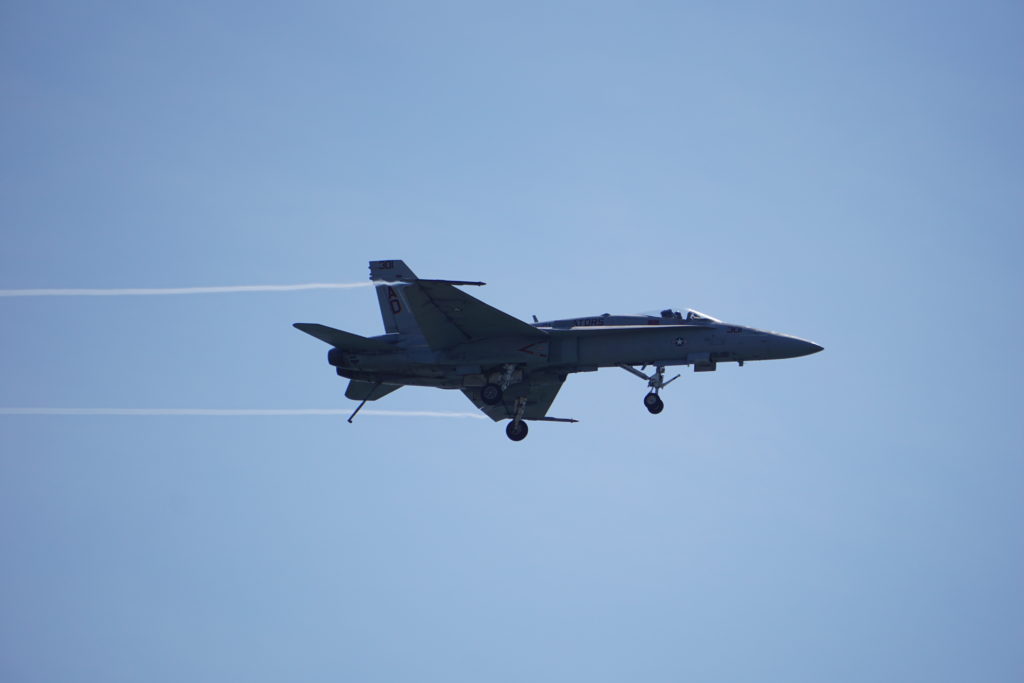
[(436, 335)]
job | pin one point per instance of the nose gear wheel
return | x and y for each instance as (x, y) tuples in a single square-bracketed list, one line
[(657, 382), (654, 403)]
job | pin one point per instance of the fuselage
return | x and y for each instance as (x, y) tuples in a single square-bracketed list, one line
[(572, 345), (440, 336)]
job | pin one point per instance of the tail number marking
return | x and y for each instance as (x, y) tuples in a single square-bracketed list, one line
[(393, 301)]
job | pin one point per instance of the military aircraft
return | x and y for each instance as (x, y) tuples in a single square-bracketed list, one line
[(439, 336)]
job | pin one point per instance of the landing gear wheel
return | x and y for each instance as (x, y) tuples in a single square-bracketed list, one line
[(491, 394), (654, 403), (516, 430)]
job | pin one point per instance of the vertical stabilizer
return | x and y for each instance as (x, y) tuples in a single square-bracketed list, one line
[(393, 308), (391, 271)]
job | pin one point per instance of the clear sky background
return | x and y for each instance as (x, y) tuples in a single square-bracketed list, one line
[(850, 173)]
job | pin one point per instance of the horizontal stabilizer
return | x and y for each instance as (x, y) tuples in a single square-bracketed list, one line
[(340, 338), (359, 390)]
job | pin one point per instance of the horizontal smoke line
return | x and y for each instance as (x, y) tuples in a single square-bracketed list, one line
[(161, 291), (219, 412)]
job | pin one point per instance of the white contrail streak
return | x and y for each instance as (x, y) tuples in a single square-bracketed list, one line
[(219, 412), (183, 290)]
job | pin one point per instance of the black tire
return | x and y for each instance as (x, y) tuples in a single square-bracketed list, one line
[(517, 430), (654, 404), (491, 394)]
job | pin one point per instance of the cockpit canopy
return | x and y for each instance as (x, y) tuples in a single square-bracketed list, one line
[(691, 315), (666, 317), (698, 316)]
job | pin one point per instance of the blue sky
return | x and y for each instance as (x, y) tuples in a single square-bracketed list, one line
[(849, 173)]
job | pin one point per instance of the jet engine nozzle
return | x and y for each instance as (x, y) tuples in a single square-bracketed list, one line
[(336, 357)]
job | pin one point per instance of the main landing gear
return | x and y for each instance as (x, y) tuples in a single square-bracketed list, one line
[(656, 381), (515, 403), (517, 430), (491, 393)]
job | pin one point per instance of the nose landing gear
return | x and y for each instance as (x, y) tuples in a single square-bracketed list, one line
[(654, 403), (656, 381)]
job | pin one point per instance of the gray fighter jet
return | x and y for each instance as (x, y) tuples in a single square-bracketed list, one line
[(439, 336)]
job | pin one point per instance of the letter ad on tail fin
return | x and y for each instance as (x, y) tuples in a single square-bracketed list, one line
[(393, 309), (391, 306)]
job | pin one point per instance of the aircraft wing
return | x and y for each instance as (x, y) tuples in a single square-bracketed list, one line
[(448, 316), (540, 390)]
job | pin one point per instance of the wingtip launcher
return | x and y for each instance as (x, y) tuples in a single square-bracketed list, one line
[(452, 282)]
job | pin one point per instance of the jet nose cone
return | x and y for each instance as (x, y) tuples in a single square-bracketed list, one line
[(801, 347), (786, 346)]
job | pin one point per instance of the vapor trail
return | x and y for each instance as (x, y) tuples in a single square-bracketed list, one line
[(218, 412), (182, 290)]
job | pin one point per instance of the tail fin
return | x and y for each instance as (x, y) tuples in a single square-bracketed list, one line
[(408, 303), (391, 271), (393, 308)]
